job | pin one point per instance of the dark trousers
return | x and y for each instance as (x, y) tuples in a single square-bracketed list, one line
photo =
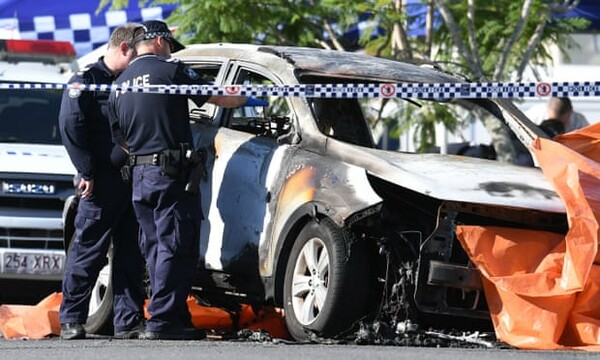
[(106, 215), (170, 221)]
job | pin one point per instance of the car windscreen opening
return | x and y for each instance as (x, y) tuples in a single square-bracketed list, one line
[(30, 116)]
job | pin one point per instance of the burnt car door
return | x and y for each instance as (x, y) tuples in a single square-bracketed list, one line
[(244, 156)]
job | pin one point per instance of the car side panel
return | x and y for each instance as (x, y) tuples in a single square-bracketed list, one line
[(336, 188), (235, 196), (254, 185)]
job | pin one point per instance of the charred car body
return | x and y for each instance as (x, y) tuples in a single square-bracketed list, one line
[(303, 212)]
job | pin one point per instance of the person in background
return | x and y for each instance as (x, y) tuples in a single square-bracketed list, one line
[(558, 108), (561, 108), (104, 212), (552, 127)]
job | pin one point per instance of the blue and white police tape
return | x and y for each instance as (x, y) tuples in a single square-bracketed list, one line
[(440, 91)]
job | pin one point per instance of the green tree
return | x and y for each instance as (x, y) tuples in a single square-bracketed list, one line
[(275, 22), (481, 39), (496, 41)]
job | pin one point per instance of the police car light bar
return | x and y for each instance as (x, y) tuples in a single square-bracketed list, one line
[(46, 51)]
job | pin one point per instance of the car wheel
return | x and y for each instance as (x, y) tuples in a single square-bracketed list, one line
[(324, 286), (100, 313)]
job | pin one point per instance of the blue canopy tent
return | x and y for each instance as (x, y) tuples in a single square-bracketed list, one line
[(590, 10), (74, 21)]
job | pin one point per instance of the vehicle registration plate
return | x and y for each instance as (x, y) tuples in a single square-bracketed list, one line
[(33, 263)]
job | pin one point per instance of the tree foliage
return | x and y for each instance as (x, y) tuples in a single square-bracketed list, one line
[(276, 22), (481, 39)]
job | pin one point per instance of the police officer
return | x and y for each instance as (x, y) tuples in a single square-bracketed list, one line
[(155, 128), (104, 210)]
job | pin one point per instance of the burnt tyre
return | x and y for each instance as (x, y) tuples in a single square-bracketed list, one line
[(325, 282), (100, 313)]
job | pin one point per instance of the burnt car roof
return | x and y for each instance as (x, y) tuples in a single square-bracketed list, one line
[(355, 65), (330, 63)]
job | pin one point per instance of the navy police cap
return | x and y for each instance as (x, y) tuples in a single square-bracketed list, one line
[(156, 28)]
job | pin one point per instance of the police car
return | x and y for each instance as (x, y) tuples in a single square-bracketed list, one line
[(36, 174)]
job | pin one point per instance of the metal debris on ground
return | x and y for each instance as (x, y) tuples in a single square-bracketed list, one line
[(381, 333), (409, 334), (248, 335), (475, 338)]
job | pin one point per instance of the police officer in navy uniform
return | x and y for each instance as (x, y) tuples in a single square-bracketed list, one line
[(104, 211), (155, 129)]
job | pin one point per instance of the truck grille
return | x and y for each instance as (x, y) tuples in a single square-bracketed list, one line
[(22, 196), (31, 238), (32, 203)]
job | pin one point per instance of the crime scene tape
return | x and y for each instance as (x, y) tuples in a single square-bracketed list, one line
[(438, 91)]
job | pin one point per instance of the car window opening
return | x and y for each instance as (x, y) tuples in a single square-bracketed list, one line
[(271, 121), (30, 116), (342, 119)]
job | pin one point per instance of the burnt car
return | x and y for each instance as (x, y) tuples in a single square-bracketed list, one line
[(304, 212)]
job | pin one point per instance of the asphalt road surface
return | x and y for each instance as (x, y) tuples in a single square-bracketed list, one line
[(106, 348)]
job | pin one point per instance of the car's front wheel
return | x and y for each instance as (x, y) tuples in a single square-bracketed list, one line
[(325, 285)]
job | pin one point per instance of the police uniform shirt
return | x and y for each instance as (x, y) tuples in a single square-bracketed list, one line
[(83, 121), (150, 122)]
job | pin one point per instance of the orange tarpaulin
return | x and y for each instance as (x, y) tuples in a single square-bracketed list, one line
[(543, 289), (32, 322), (41, 320), (267, 318)]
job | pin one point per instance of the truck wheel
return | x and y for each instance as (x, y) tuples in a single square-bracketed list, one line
[(324, 286)]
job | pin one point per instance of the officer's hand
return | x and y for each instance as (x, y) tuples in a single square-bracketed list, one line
[(86, 187)]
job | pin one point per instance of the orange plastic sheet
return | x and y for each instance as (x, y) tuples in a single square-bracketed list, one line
[(31, 322), (266, 318), (543, 289), (41, 320)]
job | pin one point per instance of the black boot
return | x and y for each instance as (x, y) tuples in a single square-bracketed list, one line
[(72, 331)]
